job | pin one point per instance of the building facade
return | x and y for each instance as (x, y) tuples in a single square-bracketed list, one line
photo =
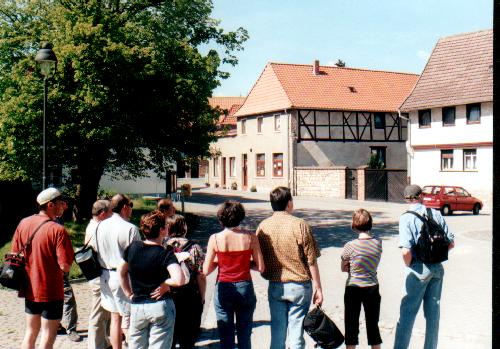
[(451, 116), (309, 118)]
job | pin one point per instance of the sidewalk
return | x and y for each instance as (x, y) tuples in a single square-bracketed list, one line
[(466, 300)]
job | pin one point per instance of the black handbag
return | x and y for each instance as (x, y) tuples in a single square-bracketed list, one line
[(86, 258), (13, 272), (322, 329)]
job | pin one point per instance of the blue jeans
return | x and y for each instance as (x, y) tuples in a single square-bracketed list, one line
[(289, 303), (235, 298), (152, 325), (424, 282)]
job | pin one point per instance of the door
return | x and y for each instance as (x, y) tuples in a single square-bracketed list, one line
[(464, 201), (224, 173), (450, 197), (244, 170)]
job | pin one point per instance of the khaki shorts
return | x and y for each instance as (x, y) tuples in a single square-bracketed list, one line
[(112, 297)]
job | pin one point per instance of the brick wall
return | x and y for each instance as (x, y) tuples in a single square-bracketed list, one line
[(320, 181)]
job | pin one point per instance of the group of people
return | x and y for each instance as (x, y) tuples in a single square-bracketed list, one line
[(151, 291)]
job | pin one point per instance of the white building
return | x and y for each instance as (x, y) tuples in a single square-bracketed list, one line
[(451, 116)]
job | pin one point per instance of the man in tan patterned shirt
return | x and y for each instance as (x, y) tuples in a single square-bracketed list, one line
[(290, 252)]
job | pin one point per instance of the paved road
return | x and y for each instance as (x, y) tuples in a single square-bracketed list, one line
[(466, 301)]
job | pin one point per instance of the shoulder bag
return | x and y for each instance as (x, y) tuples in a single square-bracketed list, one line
[(86, 258), (13, 272), (322, 329)]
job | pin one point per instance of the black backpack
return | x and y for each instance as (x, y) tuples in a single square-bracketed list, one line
[(432, 245)]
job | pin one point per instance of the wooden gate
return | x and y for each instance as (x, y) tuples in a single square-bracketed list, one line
[(385, 185)]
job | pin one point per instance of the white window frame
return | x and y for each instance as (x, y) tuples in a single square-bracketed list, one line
[(470, 159), (216, 167), (232, 166), (260, 124), (446, 159), (277, 122)]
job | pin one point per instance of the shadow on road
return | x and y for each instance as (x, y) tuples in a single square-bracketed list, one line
[(330, 228), (217, 199)]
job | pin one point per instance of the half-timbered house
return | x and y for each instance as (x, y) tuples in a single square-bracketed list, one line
[(310, 127), (451, 116)]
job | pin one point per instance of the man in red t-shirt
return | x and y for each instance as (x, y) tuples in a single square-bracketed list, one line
[(47, 257)]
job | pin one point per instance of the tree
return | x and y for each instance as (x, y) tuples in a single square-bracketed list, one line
[(340, 63), (130, 93)]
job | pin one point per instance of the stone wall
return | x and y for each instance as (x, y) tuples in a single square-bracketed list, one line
[(320, 181)]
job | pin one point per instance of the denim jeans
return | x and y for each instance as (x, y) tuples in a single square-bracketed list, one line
[(424, 282), (235, 298), (152, 325), (289, 303)]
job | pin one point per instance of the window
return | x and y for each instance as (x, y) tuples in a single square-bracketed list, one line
[(216, 167), (379, 120), (232, 167), (462, 192), (243, 126), (446, 160), (261, 165), (470, 159), (259, 124), (448, 116), (278, 165), (424, 118), (473, 113), (379, 153), (277, 123)]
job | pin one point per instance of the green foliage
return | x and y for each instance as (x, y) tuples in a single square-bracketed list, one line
[(130, 92), (375, 162), (253, 189), (340, 63)]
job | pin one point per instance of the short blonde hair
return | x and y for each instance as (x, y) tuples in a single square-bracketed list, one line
[(361, 220)]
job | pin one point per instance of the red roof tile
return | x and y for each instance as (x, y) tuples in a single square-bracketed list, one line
[(459, 71), (293, 86), (229, 105)]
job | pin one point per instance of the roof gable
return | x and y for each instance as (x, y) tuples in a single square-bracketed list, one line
[(459, 71), (266, 95), (283, 86)]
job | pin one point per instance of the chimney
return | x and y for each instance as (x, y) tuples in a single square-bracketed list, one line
[(316, 67)]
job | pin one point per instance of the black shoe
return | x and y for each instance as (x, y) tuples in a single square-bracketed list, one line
[(61, 330)]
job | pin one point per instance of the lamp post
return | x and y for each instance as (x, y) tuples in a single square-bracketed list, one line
[(47, 60)]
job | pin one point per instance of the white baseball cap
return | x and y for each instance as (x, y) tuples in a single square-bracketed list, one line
[(47, 195)]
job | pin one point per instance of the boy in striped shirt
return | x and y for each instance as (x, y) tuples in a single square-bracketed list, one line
[(360, 258)]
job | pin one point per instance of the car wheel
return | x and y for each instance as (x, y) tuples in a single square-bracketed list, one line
[(445, 210), (475, 209)]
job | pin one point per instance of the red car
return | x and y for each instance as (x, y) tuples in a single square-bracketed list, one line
[(449, 198)]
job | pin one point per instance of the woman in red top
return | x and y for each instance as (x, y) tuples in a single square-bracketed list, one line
[(234, 251)]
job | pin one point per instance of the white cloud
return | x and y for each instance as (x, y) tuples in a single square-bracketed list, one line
[(423, 55)]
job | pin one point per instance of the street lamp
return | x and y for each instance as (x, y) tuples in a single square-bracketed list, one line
[(47, 60)]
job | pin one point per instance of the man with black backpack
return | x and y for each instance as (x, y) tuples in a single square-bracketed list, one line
[(424, 242)]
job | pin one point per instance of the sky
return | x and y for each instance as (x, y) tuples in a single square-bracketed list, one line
[(394, 35)]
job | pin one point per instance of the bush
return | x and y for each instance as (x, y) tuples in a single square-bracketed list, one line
[(186, 190), (253, 188), (216, 185), (234, 186), (207, 184)]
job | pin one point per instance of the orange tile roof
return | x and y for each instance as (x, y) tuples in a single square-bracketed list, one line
[(229, 106), (294, 86), (459, 71)]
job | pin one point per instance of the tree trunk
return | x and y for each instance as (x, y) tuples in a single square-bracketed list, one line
[(86, 193)]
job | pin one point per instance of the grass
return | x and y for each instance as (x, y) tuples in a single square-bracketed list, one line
[(76, 231)]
